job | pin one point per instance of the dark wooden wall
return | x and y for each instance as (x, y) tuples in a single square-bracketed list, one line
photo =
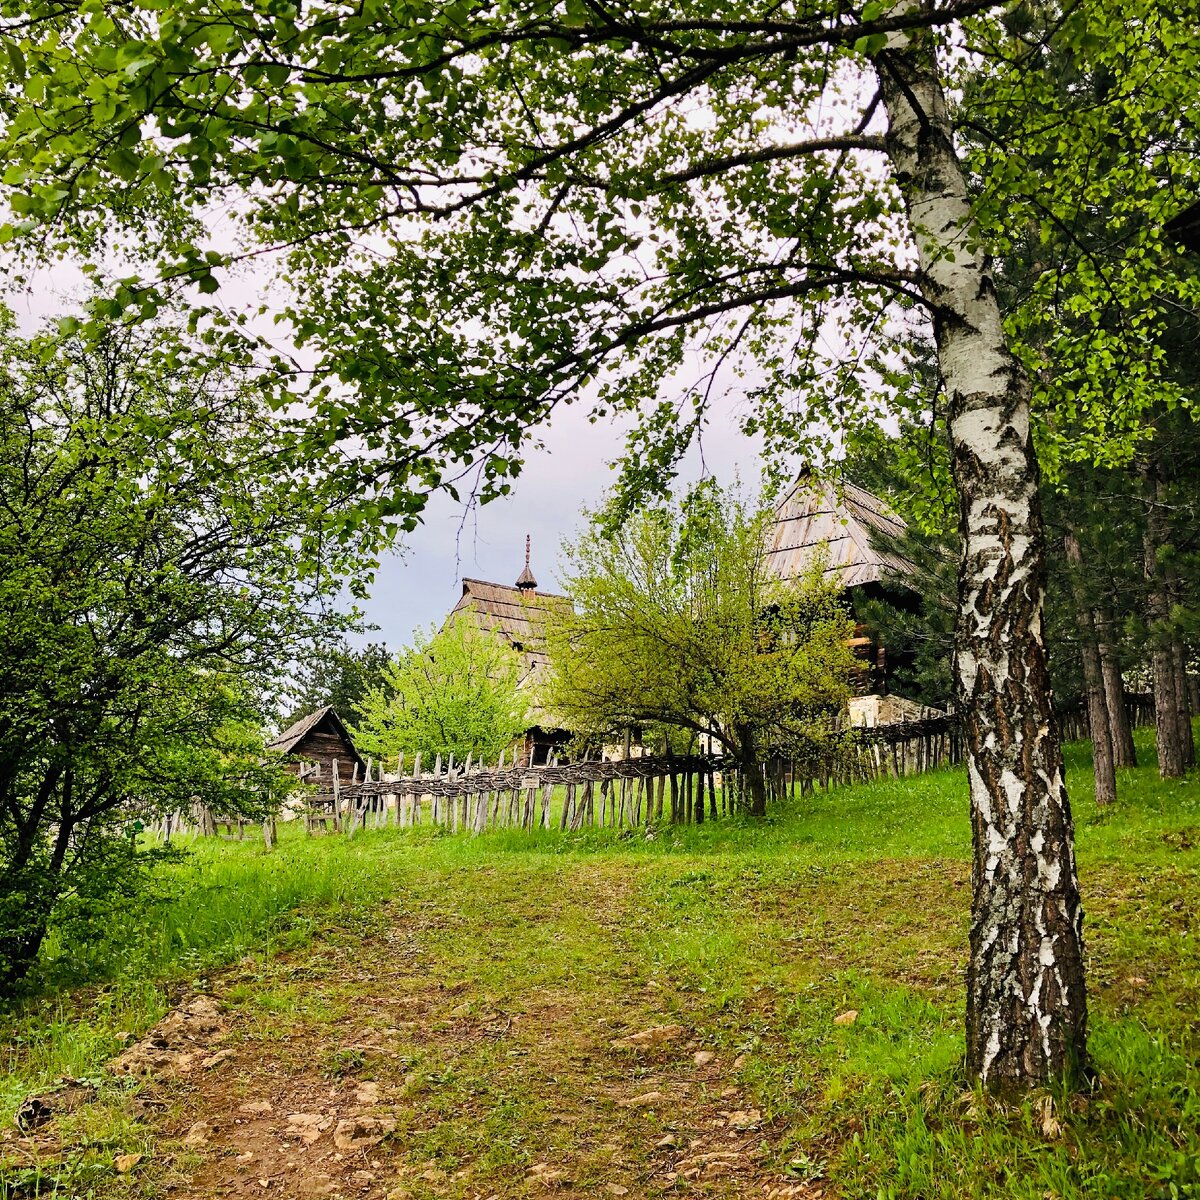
[(323, 744)]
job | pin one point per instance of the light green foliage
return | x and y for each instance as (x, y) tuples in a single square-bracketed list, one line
[(678, 622), (468, 230), (152, 593), (1082, 126), (453, 691)]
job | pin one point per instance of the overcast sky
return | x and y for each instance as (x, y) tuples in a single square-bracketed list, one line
[(424, 583)]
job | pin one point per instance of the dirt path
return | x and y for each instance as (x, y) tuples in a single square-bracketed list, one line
[(512, 1047)]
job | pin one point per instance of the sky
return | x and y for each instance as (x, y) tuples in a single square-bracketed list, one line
[(422, 584)]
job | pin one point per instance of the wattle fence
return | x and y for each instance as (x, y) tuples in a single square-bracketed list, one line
[(625, 792)]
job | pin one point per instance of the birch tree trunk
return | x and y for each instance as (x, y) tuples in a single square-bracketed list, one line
[(1103, 767), (1026, 1002)]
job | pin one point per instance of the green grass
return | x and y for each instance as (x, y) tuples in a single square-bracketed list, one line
[(753, 934)]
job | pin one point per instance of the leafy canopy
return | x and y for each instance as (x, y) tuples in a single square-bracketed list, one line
[(153, 592), (455, 690), (678, 622), (476, 210)]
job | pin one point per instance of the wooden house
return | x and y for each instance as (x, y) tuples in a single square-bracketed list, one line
[(319, 738), (1184, 227), (852, 528), (845, 520), (514, 612)]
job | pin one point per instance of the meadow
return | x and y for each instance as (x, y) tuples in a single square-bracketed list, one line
[(520, 961)]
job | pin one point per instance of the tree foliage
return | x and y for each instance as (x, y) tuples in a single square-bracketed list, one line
[(470, 230), (152, 594), (678, 622), (455, 690), (340, 676)]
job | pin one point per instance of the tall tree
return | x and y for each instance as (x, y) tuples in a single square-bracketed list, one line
[(152, 592), (483, 208), (340, 676)]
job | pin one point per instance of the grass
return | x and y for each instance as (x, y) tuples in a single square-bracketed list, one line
[(509, 956)]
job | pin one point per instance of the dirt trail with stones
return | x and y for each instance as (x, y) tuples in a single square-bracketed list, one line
[(508, 1051)]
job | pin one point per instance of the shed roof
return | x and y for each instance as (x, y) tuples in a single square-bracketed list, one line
[(291, 738), (843, 518)]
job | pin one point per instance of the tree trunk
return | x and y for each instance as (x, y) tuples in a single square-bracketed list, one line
[(27, 896), (1026, 1001), (1124, 751), (1183, 702), (752, 772), (1103, 767), (1167, 722)]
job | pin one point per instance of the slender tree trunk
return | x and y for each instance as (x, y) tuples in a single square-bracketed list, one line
[(1183, 702), (1124, 751), (1026, 1001), (1103, 766), (1167, 722)]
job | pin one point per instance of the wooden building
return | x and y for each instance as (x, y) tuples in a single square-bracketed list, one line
[(319, 738), (514, 613), (845, 520), (853, 529)]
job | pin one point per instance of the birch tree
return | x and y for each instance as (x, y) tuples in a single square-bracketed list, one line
[(478, 211)]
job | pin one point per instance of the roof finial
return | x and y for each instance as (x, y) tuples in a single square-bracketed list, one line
[(526, 581)]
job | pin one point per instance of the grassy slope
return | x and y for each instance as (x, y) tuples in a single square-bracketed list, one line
[(755, 937)]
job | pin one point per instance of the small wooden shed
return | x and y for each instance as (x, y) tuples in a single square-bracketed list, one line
[(319, 738)]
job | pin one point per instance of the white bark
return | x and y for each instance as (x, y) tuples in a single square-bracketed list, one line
[(1026, 1007)]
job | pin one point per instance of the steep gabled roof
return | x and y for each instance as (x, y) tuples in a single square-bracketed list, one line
[(843, 518), (513, 612), (295, 733)]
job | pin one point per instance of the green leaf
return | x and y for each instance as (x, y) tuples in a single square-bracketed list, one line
[(16, 58)]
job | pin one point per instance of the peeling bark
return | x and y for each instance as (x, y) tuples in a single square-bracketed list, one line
[(1026, 1003)]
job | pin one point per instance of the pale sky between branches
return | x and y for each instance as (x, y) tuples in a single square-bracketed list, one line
[(420, 582)]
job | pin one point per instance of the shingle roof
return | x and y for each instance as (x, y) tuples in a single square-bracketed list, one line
[(842, 517), (288, 739), (295, 733), (512, 611)]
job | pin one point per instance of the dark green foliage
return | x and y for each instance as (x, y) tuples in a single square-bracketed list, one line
[(341, 676), (153, 589)]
